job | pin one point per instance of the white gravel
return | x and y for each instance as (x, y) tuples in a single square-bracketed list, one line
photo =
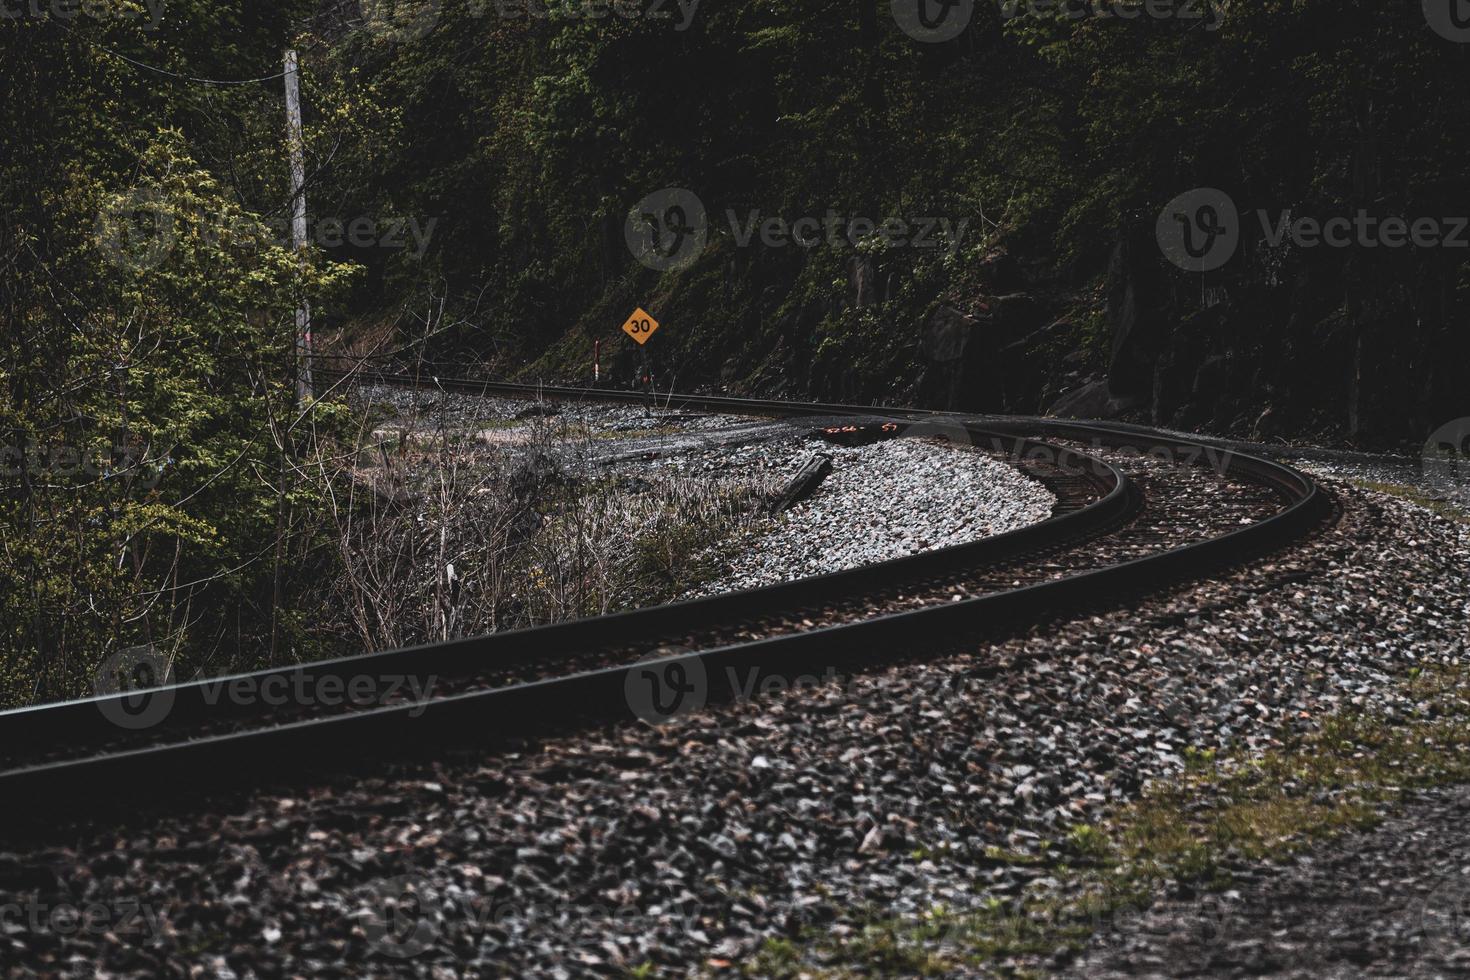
[(468, 412), (880, 502)]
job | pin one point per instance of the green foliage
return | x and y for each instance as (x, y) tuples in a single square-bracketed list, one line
[(148, 301), (155, 491)]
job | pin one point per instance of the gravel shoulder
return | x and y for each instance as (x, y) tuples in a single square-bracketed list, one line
[(1393, 901), (881, 502), (797, 818)]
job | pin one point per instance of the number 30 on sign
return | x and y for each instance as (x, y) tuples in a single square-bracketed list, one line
[(640, 326)]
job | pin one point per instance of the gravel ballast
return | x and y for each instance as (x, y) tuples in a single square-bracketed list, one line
[(883, 501), (688, 845), (1393, 901)]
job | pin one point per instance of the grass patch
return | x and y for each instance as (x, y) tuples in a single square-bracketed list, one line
[(486, 424), (1417, 497), (667, 430), (1189, 831)]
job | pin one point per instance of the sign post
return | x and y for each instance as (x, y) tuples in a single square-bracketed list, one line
[(640, 326)]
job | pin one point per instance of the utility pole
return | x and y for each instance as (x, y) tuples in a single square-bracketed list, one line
[(295, 142)]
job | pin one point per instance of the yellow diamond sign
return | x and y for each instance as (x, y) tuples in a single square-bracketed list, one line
[(640, 326)]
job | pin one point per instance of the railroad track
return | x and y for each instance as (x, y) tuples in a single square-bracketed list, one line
[(1125, 523)]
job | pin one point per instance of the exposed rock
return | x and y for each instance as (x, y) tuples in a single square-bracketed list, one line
[(1130, 370), (864, 289), (1028, 378), (1016, 315), (1091, 401), (1001, 272), (946, 335)]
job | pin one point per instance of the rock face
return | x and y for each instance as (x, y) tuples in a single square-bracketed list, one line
[(1134, 347), (967, 357), (946, 335), (1093, 400), (952, 348), (1326, 343), (1031, 374), (1359, 343)]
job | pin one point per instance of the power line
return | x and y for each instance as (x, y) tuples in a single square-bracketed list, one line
[(172, 74)]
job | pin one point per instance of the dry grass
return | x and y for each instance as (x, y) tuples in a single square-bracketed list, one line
[(444, 532), (1190, 830)]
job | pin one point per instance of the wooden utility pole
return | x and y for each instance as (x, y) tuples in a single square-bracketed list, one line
[(296, 143)]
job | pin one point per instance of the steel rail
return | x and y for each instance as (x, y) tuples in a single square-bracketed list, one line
[(598, 696), (197, 699)]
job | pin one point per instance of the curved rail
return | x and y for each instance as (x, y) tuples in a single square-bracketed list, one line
[(727, 671), (189, 701)]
